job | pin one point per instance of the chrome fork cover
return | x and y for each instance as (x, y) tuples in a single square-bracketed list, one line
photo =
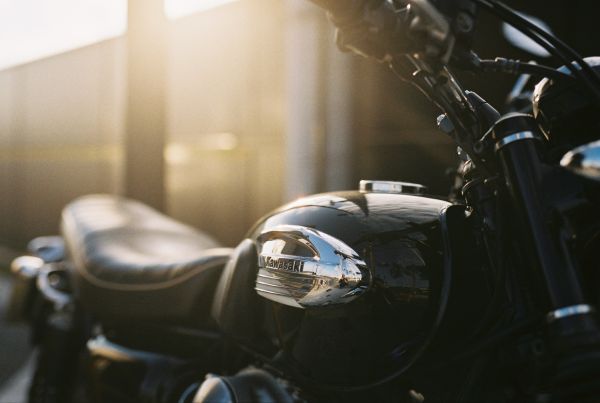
[(303, 267)]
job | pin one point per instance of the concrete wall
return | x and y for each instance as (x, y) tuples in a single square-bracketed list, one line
[(225, 114), (236, 76), (62, 125)]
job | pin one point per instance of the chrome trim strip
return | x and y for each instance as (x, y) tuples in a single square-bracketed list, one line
[(292, 282), (286, 286), (321, 270), (271, 277), (288, 276), (271, 285), (271, 292), (567, 311), (527, 135)]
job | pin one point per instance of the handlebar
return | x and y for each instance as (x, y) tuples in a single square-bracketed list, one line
[(372, 29), (416, 40), (385, 28)]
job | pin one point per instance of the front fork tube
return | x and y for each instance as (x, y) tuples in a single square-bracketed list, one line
[(574, 339), (516, 139)]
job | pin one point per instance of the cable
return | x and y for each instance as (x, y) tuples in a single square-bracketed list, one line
[(552, 40), (511, 18), (538, 35), (502, 65), (548, 42)]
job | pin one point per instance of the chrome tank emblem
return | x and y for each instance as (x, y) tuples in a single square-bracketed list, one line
[(303, 267)]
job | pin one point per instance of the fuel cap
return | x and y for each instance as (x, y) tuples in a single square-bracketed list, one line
[(370, 186)]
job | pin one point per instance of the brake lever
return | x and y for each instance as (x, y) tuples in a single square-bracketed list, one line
[(441, 88)]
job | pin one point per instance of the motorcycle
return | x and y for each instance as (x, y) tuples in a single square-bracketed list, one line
[(379, 294)]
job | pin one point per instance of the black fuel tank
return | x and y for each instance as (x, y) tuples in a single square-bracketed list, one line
[(398, 237)]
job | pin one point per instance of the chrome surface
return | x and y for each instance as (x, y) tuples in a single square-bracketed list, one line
[(26, 266), (46, 284), (303, 267), (567, 311), (100, 346), (390, 187), (399, 236), (48, 248), (515, 137), (584, 160)]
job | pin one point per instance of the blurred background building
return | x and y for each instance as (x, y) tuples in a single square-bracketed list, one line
[(213, 111), (213, 114)]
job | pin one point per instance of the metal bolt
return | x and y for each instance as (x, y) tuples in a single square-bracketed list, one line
[(444, 124), (464, 22)]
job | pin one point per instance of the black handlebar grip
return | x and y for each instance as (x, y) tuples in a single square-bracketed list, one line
[(366, 27)]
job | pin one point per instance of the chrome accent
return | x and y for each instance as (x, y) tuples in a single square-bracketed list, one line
[(26, 267), (390, 187), (101, 347), (584, 160), (46, 284), (48, 248), (515, 137), (303, 267), (567, 311)]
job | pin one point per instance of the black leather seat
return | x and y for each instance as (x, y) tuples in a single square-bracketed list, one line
[(132, 262)]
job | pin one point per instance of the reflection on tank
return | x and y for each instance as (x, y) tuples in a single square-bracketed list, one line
[(399, 238)]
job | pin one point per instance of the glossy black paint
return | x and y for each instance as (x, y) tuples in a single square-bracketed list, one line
[(524, 174), (524, 181), (400, 238), (356, 218)]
